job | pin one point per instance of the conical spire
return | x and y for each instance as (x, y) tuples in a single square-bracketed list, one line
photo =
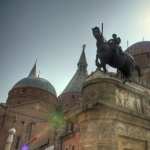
[(75, 84), (32, 73), (82, 64)]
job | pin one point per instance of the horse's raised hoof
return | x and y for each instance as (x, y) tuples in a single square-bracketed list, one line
[(105, 71), (98, 69)]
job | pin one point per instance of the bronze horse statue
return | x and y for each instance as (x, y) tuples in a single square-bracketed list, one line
[(123, 62)]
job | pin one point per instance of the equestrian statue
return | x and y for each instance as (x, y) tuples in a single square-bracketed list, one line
[(110, 52)]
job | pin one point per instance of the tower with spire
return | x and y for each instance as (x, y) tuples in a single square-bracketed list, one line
[(82, 64), (79, 77), (33, 73), (72, 92)]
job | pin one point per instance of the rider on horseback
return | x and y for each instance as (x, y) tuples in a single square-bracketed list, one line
[(111, 53), (115, 44)]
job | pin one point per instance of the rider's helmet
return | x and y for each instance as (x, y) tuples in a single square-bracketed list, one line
[(114, 36), (96, 31)]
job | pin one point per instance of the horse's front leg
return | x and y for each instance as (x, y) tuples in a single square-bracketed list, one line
[(104, 67), (98, 64), (96, 61)]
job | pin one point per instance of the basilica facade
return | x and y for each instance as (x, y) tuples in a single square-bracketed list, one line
[(95, 111)]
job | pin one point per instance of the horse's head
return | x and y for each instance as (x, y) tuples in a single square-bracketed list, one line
[(96, 32)]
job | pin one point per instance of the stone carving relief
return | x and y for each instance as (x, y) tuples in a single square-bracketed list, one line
[(146, 106), (127, 143), (132, 131), (128, 100)]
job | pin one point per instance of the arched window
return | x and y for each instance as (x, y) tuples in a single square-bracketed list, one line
[(3, 120), (73, 147), (70, 127), (17, 142), (29, 130)]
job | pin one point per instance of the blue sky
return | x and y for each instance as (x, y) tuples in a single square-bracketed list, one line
[(53, 31)]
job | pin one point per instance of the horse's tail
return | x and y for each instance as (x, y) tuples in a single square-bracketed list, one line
[(137, 68)]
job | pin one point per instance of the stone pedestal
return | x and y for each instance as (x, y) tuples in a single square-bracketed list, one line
[(97, 129), (115, 116)]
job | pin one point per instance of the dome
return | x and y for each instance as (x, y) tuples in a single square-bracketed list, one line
[(33, 81), (141, 53), (37, 83), (139, 48)]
